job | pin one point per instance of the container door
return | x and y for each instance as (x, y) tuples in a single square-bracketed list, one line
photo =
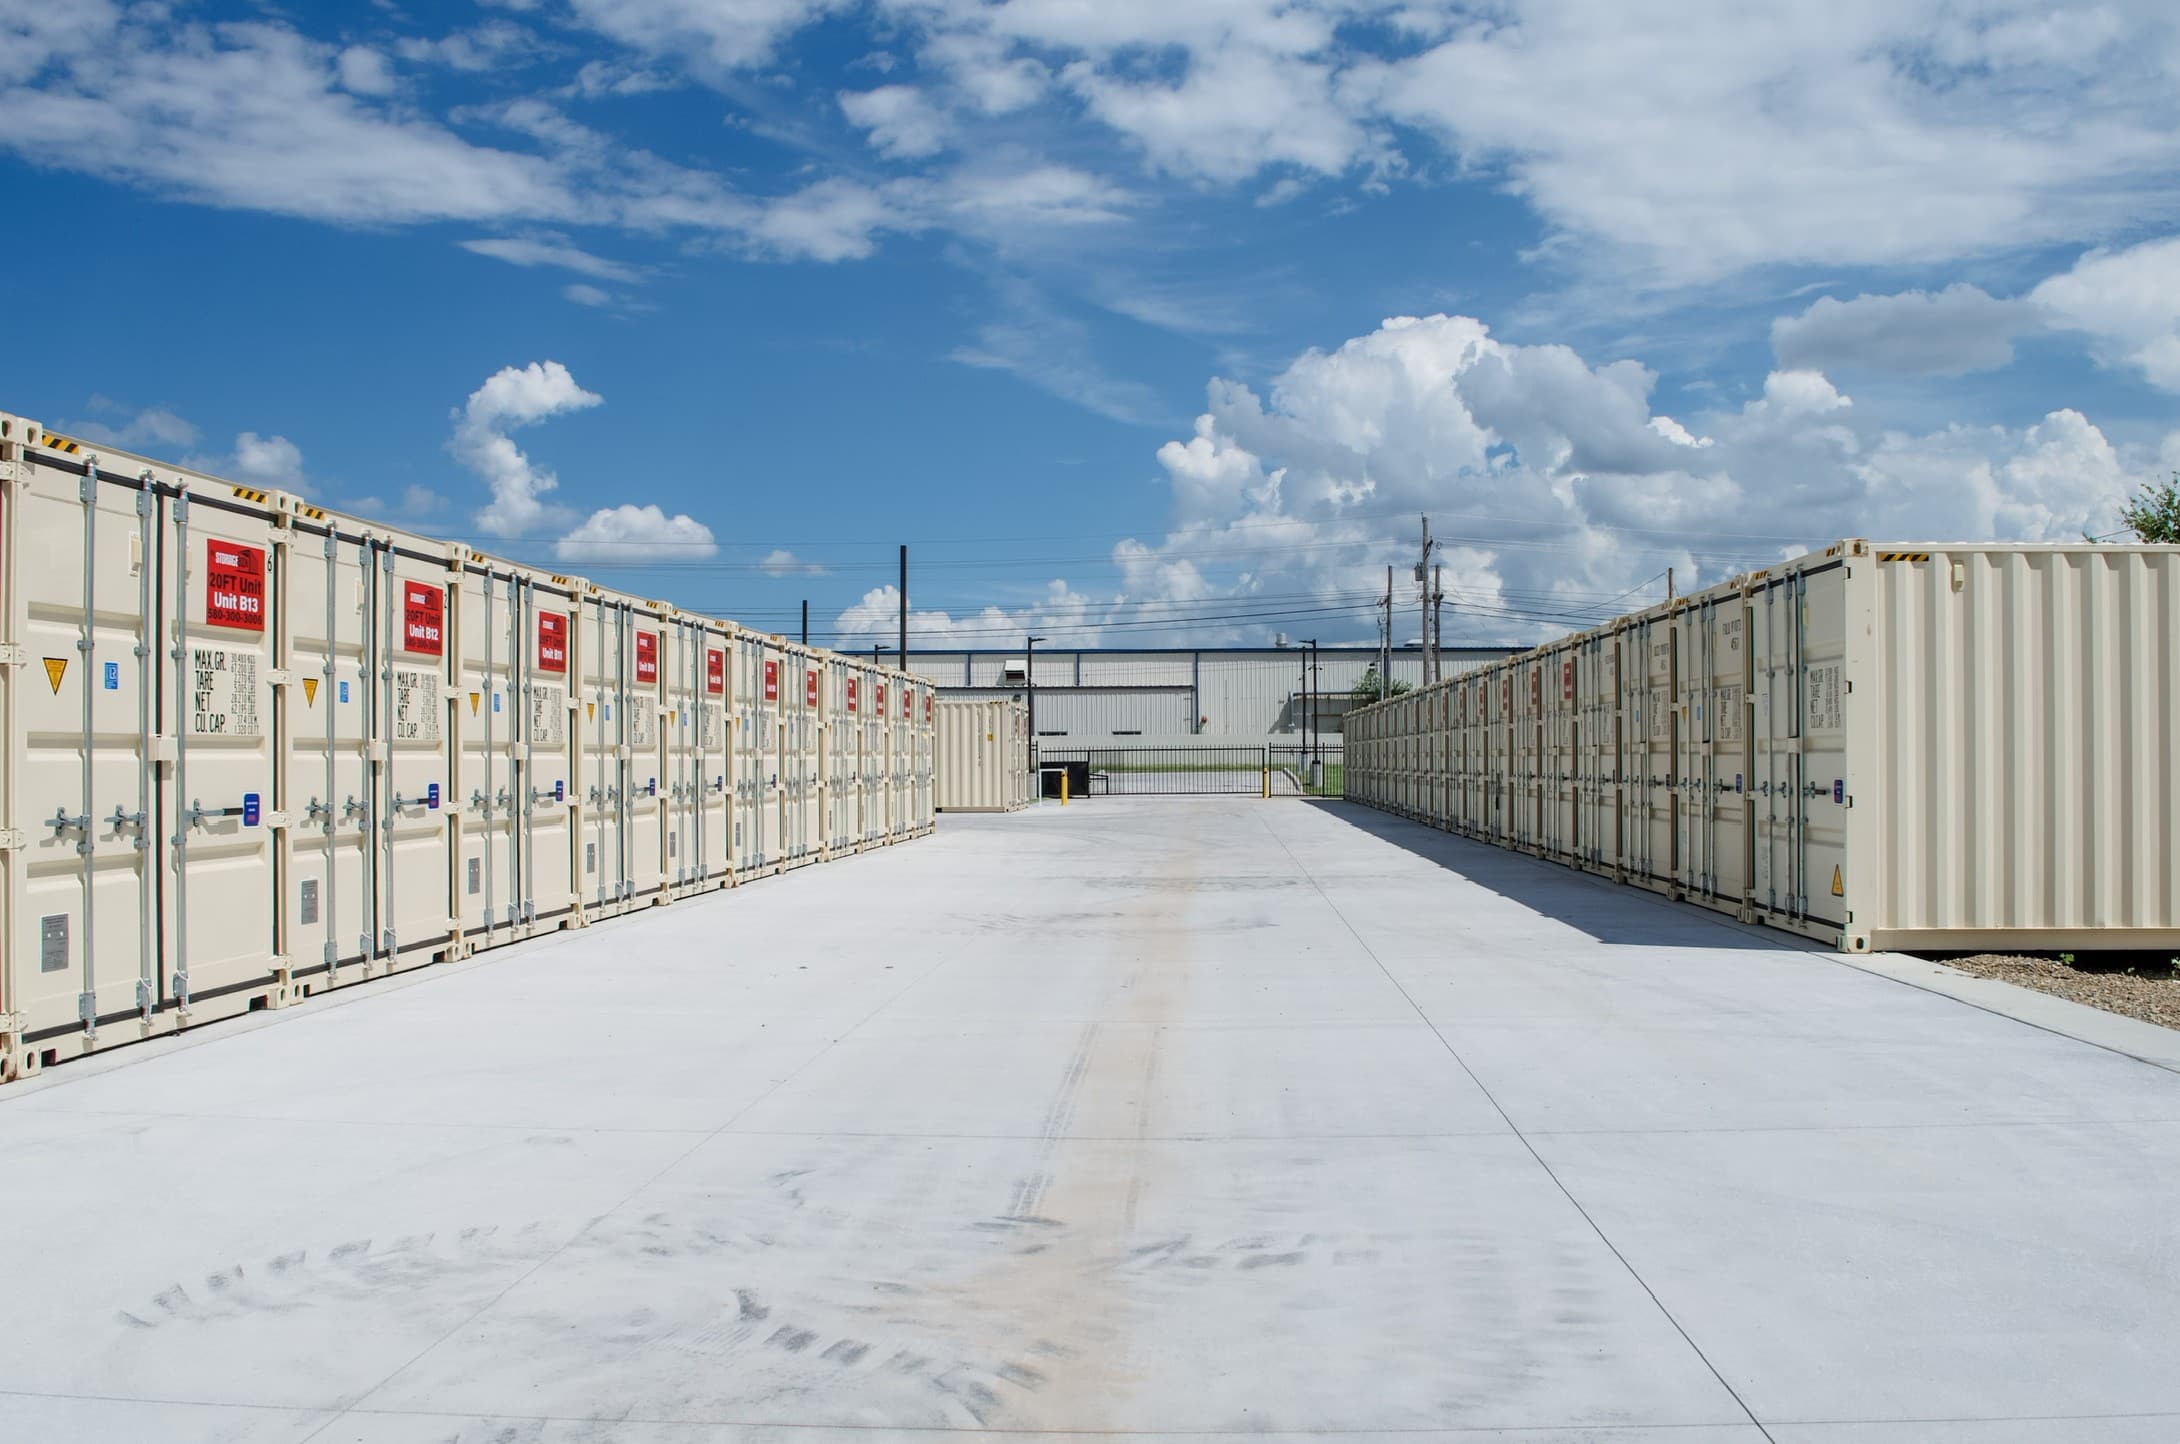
[(679, 795), (1600, 750), (487, 640), (602, 650), (1652, 760), (1713, 654), (417, 870), (715, 767), (1530, 755), (871, 758), (549, 772), (643, 820), (1799, 762), (927, 755), (332, 848), (771, 802), (1561, 789), (904, 757), (220, 929), (811, 835), (82, 947)]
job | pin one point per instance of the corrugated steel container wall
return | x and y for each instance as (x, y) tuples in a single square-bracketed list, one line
[(260, 749), (981, 758), (1884, 746)]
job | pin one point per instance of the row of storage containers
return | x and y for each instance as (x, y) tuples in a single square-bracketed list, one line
[(1935, 747), (984, 755), (255, 749)]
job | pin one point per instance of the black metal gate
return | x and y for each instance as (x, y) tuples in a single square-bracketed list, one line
[(1167, 771)]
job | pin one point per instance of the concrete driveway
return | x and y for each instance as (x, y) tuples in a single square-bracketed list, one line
[(1158, 1118)]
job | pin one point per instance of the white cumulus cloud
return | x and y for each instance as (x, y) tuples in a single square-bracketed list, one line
[(631, 534), (513, 397), (2128, 302)]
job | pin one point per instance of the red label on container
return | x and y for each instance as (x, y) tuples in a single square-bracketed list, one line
[(234, 585), (647, 658), (1536, 689), (1566, 681), (772, 681), (423, 619), (552, 642), (851, 694), (715, 671), (878, 704), (927, 706), (908, 704), (809, 688)]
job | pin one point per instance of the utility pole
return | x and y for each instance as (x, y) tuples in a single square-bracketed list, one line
[(1669, 584), (1423, 606), (806, 621), (904, 606), (1438, 622), (1385, 643)]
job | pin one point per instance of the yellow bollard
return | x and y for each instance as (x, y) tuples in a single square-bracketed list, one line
[(1063, 787)]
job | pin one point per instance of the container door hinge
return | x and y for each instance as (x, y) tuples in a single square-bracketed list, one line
[(181, 991), (11, 839), (87, 1010), (147, 1000), (11, 654)]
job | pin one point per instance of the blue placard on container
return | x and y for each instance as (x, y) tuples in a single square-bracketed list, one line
[(653, 788), (431, 796), (252, 809), (113, 676), (1839, 789), (495, 701), (560, 790), (344, 691)]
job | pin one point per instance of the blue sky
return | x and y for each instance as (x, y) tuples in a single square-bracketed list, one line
[(1141, 322)]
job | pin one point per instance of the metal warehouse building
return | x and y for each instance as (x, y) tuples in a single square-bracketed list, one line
[(1088, 695)]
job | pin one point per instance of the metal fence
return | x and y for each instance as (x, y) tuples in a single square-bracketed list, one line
[(1193, 770), (1306, 771), (1161, 771)]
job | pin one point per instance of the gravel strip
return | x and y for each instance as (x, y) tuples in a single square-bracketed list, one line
[(2151, 993)]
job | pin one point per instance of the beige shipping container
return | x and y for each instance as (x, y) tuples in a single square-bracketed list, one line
[(983, 756), (1929, 746), (251, 749)]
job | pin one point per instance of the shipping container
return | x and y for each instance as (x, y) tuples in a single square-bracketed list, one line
[(983, 756), (255, 749), (1930, 746)]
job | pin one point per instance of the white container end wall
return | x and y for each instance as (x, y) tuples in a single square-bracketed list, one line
[(983, 756), (254, 750), (1929, 746)]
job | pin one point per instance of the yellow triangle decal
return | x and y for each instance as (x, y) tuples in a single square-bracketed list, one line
[(310, 691), (590, 710), (476, 700), (55, 669), (1838, 889)]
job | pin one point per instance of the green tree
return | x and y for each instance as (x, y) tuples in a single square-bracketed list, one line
[(2153, 513), (1371, 688)]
